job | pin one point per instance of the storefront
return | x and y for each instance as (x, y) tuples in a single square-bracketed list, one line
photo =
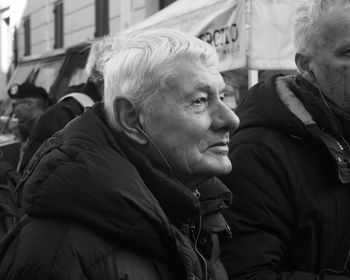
[(52, 71)]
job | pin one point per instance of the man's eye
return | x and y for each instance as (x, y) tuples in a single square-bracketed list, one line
[(200, 101)]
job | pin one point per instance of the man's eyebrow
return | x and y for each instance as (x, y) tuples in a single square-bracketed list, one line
[(223, 90), (202, 86)]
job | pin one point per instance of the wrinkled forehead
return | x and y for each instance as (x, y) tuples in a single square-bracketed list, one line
[(197, 74), (335, 25)]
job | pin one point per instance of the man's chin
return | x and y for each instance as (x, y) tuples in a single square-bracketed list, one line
[(220, 168), (226, 170)]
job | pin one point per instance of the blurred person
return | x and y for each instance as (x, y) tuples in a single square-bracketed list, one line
[(291, 160), (127, 189), (231, 90), (75, 99), (29, 103)]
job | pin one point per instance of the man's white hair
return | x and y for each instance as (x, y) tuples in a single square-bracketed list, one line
[(139, 67), (306, 30)]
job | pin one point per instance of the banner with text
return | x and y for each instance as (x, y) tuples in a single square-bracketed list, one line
[(221, 23)]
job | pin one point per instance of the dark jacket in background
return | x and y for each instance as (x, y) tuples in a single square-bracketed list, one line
[(290, 215), (98, 209), (55, 118)]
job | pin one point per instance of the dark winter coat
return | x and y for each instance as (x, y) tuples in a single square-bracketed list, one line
[(290, 217), (98, 209)]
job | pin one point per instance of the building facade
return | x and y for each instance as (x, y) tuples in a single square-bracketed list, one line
[(32, 30), (50, 24)]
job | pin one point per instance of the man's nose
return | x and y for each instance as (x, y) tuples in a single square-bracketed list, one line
[(225, 118)]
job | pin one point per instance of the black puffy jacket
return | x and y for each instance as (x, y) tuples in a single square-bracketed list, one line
[(290, 217), (98, 209)]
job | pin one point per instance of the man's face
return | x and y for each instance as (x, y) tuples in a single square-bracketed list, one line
[(331, 62), (190, 124), (25, 109), (231, 96)]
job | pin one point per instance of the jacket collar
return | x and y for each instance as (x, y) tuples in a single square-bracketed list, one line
[(320, 119), (261, 106), (318, 107)]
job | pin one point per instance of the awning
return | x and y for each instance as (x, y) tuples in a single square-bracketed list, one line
[(254, 34), (271, 40), (219, 22)]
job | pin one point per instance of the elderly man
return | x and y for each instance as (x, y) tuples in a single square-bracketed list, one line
[(127, 189), (290, 217)]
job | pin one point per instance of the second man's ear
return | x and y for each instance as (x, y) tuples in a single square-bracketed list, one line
[(304, 67), (128, 120)]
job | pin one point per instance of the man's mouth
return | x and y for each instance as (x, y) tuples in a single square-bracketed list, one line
[(220, 147)]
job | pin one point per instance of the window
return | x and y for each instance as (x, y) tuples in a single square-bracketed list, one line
[(26, 27), (58, 12), (102, 17), (164, 3), (49, 70), (15, 47)]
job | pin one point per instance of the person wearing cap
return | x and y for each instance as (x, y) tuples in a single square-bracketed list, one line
[(29, 102)]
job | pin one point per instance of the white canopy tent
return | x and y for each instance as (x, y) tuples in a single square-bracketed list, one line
[(251, 34)]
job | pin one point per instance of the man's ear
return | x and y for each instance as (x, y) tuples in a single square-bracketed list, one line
[(304, 66), (128, 120)]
